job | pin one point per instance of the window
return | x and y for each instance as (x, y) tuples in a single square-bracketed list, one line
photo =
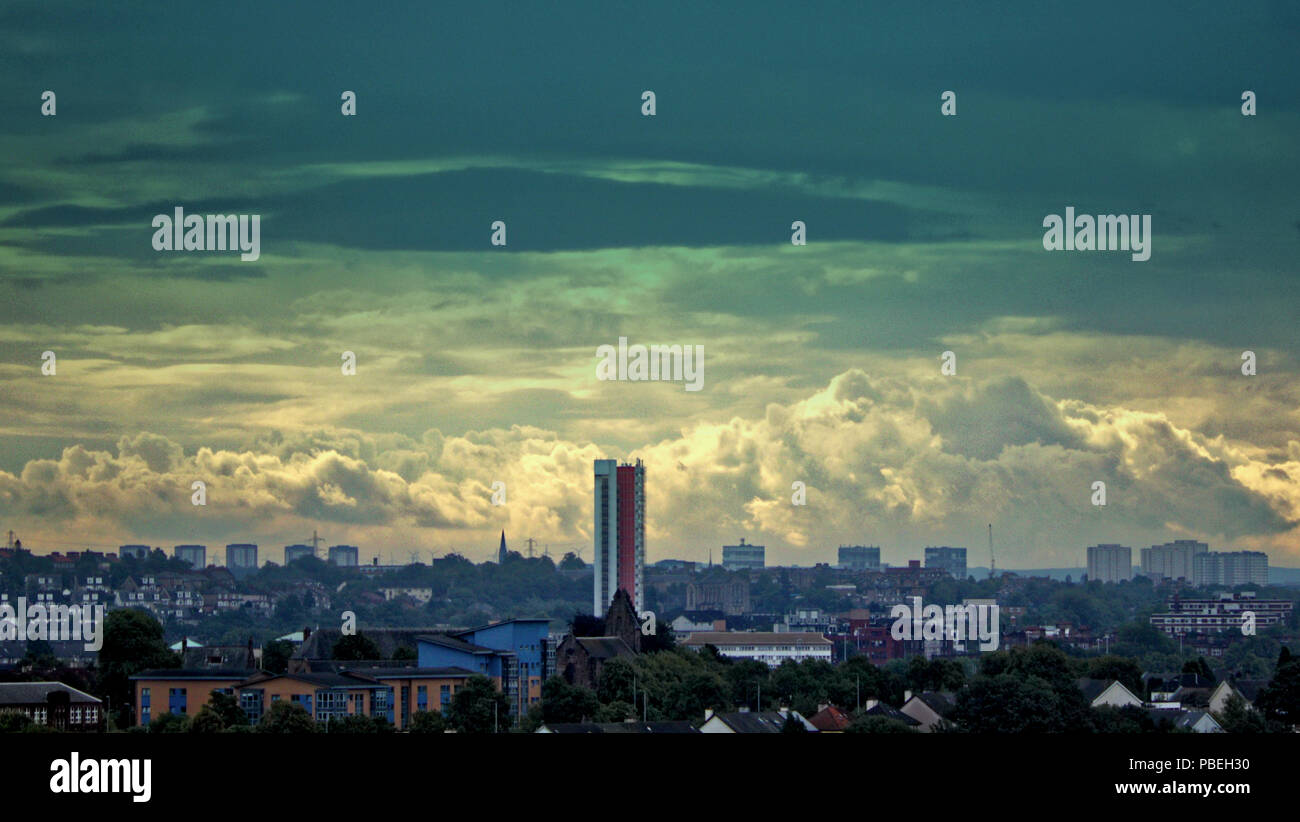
[(331, 705), (251, 701)]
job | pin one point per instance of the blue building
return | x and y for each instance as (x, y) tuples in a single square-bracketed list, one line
[(517, 653)]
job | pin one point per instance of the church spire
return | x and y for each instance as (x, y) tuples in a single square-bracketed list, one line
[(501, 553)]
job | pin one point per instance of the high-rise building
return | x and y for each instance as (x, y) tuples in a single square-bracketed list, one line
[(137, 551), (292, 552), (744, 557), (241, 558), (619, 533), (1110, 563), (952, 560), (345, 556), (1173, 560), (1230, 568), (860, 557), (195, 555)]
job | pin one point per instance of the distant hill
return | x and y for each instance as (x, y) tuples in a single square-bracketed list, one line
[(1276, 575)]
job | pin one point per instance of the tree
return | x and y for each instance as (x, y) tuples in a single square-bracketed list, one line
[(572, 562), (1238, 718), (935, 674), (428, 722), (286, 718), (1007, 703), (479, 708), (1124, 669), (39, 656), (226, 706), (793, 725), (405, 652), (169, 723), (864, 723), (695, 693), (1280, 699), (562, 702), (276, 654), (207, 721), (616, 681), (1199, 667), (355, 647), (12, 722), (133, 642), (359, 724), (587, 625)]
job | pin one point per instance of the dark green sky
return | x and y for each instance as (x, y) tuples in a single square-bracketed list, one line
[(476, 364)]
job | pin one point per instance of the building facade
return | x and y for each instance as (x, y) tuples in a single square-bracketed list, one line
[(744, 557), (195, 555), (1230, 568), (859, 557), (767, 647), (1110, 563), (731, 598), (1173, 560), (295, 552), (241, 558), (952, 560), (619, 530), (345, 556)]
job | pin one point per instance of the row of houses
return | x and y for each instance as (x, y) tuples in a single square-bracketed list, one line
[(184, 596)]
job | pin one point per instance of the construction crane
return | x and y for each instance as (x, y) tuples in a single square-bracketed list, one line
[(993, 563)]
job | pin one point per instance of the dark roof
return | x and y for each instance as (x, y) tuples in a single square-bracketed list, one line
[(753, 722), (1194, 696), (1250, 688), (346, 679), (1172, 681), (1093, 688), (320, 644), (228, 656), (390, 672), (941, 703), (604, 647), (890, 712), (195, 673), (62, 648), (495, 624), (33, 693), (622, 728), (455, 644)]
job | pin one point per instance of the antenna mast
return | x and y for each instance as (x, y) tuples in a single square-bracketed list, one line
[(993, 563)]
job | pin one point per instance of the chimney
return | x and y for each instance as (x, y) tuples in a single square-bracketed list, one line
[(708, 714), (306, 632), (907, 695)]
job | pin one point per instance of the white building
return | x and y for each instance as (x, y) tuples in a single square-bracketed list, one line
[(766, 647), (1110, 563)]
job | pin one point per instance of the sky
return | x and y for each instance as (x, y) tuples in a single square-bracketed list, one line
[(476, 364)]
